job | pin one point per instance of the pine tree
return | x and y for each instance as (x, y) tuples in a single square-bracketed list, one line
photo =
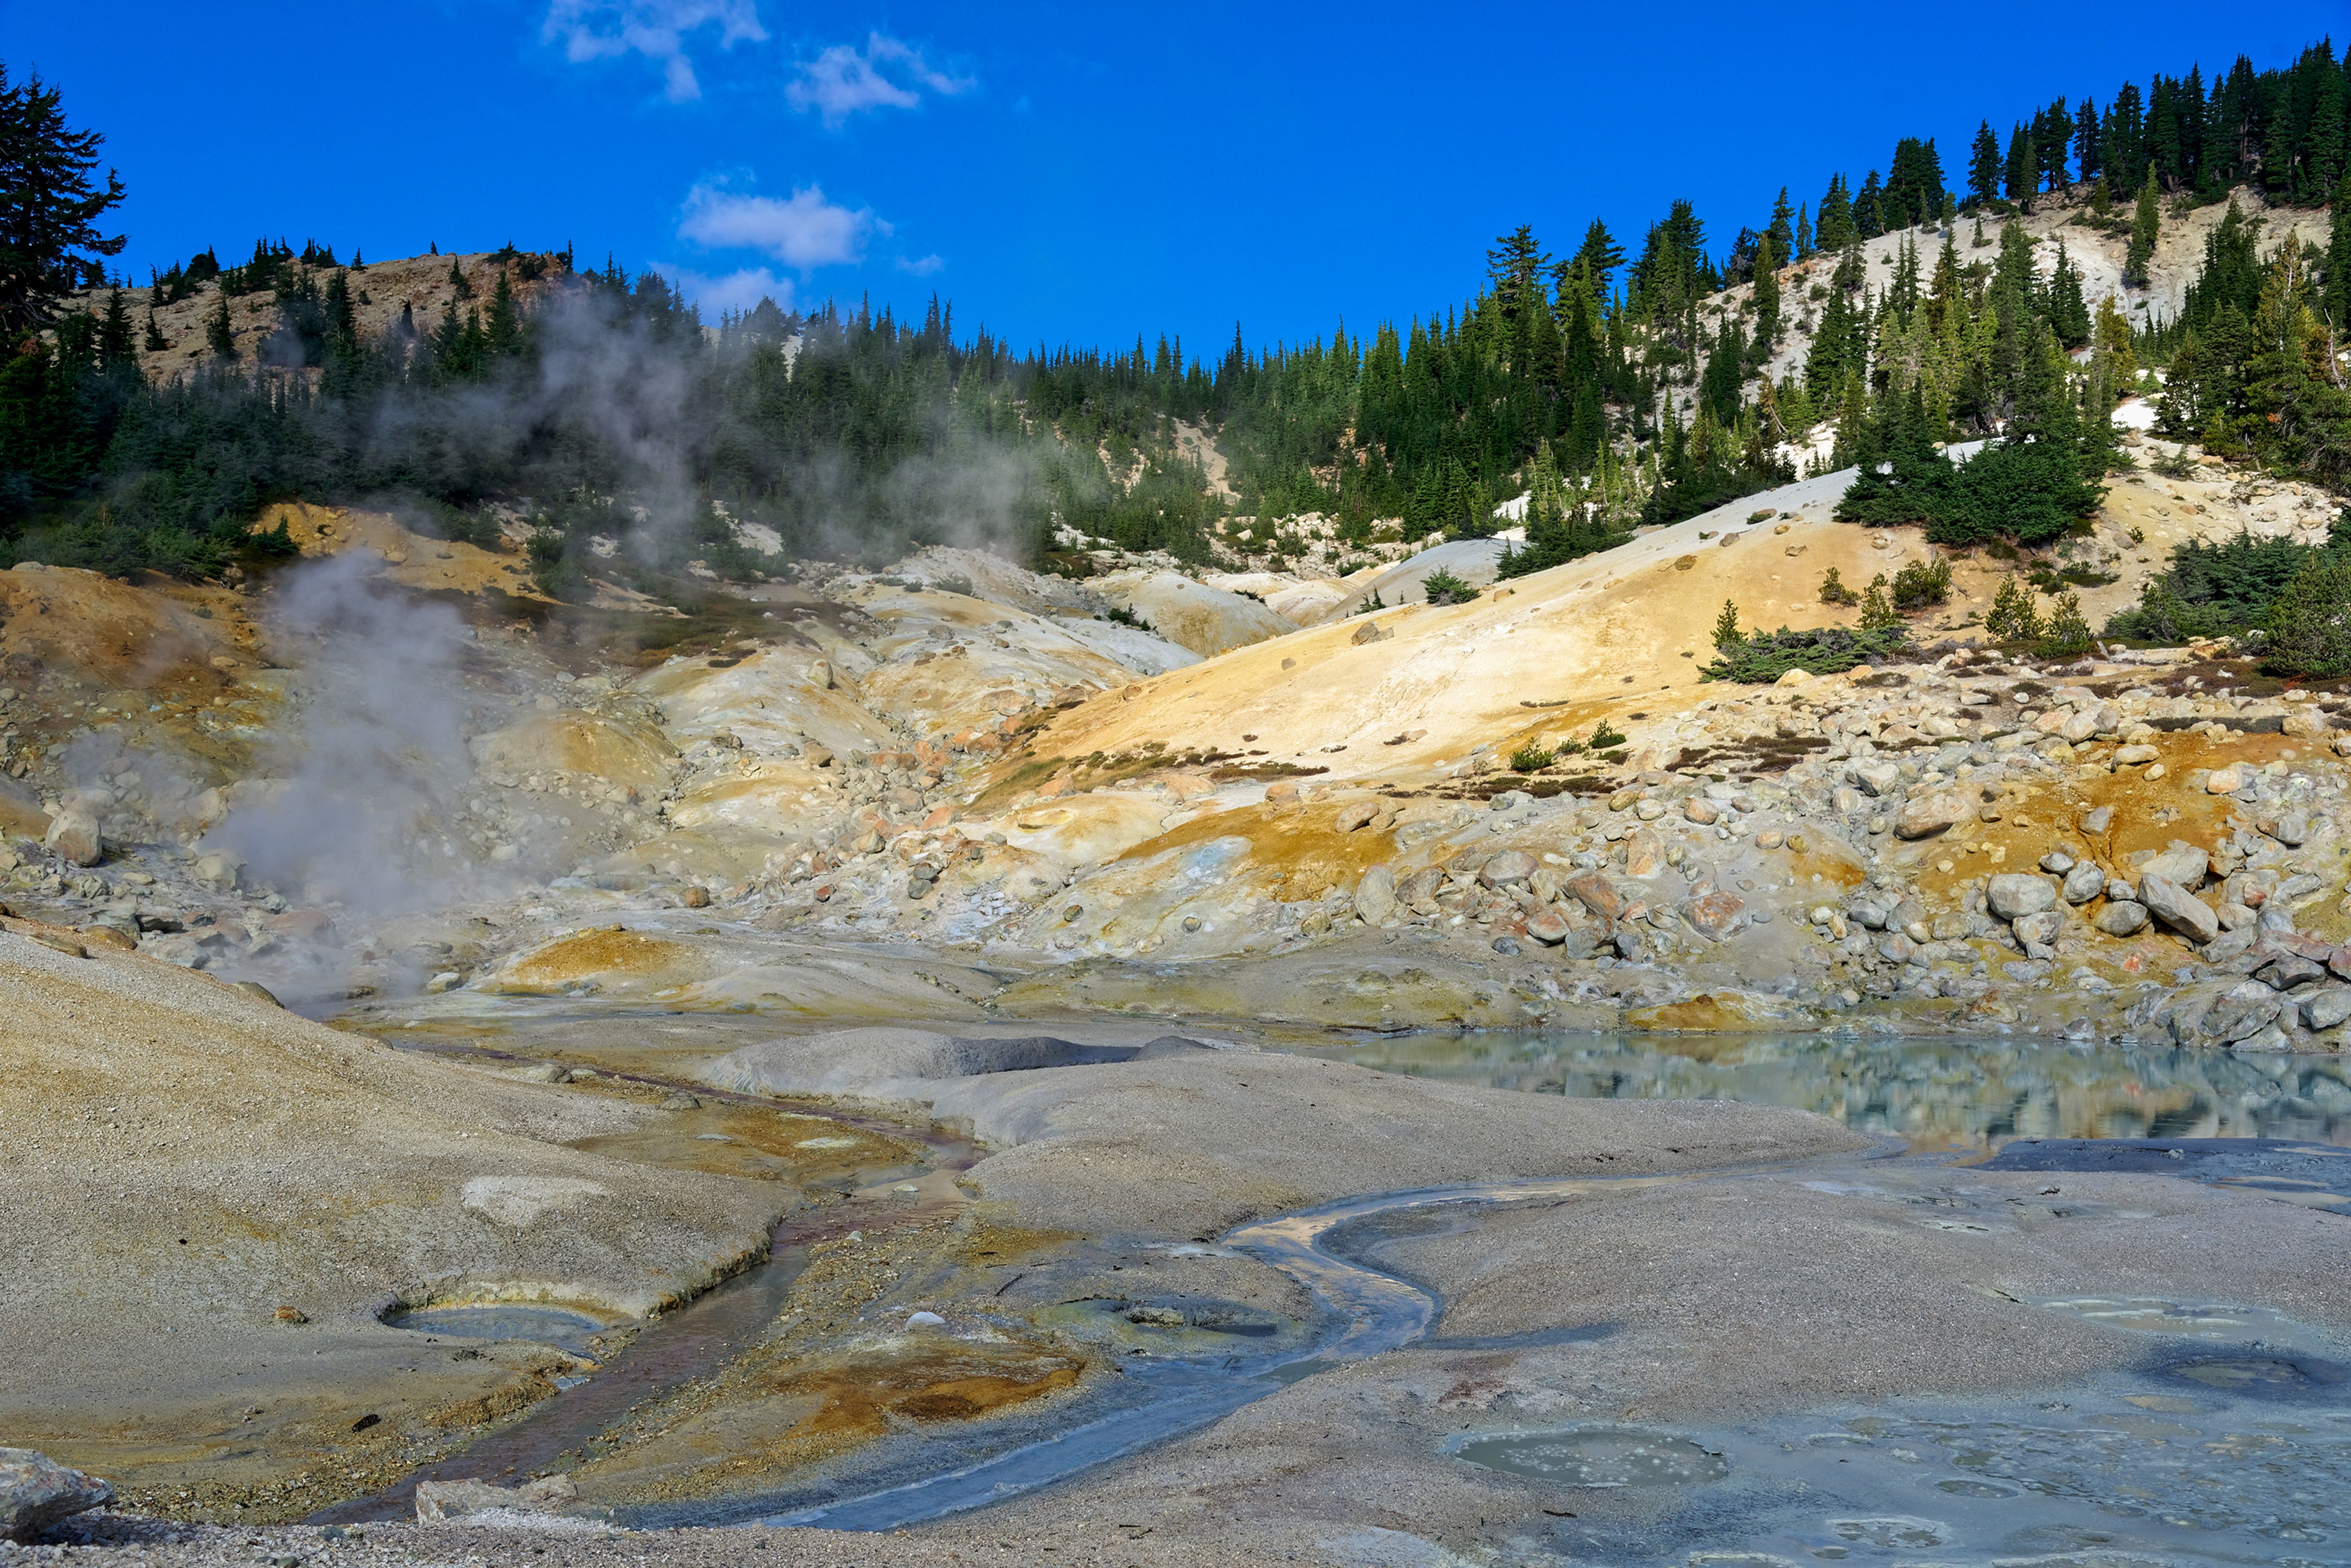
[(459, 286), (49, 239), (1767, 294), (2015, 616), (1877, 612), (220, 331), (1803, 231), (2145, 229), (1984, 166), (2069, 316), (1727, 634), (1782, 232), (154, 342), (2338, 298), (2020, 175), (113, 342)]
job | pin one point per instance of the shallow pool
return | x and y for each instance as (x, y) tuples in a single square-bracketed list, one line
[(1941, 1090)]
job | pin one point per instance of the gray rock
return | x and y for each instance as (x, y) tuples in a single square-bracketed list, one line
[(2300, 885), (2057, 862), (2231, 1020), (1376, 895), (2098, 820), (1932, 813), (2182, 864), (2288, 970), (2270, 1038), (2293, 829), (1879, 778), (2325, 1008), (1511, 866), (2121, 917), (1864, 913), (1897, 948), (682, 1100), (2236, 916), (2040, 929), (545, 1073), (74, 838), (2117, 888), (35, 1491), (2083, 883), (2176, 907), (2012, 894), (1507, 947), (1701, 811)]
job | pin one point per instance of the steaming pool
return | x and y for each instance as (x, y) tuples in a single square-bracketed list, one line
[(2227, 1440)]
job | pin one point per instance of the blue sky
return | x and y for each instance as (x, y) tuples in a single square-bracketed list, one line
[(1062, 173)]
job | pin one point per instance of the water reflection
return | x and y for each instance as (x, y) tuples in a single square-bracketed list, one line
[(1942, 1091)]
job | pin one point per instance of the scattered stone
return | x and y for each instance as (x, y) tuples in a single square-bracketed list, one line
[(2224, 782), (2183, 863), (1547, 925), (925, 1320), (2121, 917), (446, 980), (1355, 814), (2083, 883), (1701, 811), (697, 898), (1369, 631), (295, 1315), (1649, 810), (1598, 894), (1880, 778), (2268, 1038), (35, 1491), (2057, 862), (258, 991), (1716, 916), (2041, 928), (1376, 895), (1644, 853), (74, 838), (109, 937), (545, 1073), (1770, 839), (2235, 917), (1509, 866), (2014, 893), (2176, 907), (682, 1100), (2131, 757), (1931, 813), (2292, 830), (2327, 1008), (1507, 946), (65, 945), (2287, 970)]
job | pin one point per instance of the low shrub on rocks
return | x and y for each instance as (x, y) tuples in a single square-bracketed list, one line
[(1763, 657)]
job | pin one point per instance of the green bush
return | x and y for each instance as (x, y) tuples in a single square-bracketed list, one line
[(2310, 623), (2014, 616), (2030, 491), (2067, 633), (1835, 592), (1530, 758), (1764, 657), (1922, 583), (1604, 737), (2222, 590), (1442, 588)]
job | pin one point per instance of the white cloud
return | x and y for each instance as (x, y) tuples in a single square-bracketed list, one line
[(805, 231), (842, 81), (601, 29), (921, 266), (736, 291)]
